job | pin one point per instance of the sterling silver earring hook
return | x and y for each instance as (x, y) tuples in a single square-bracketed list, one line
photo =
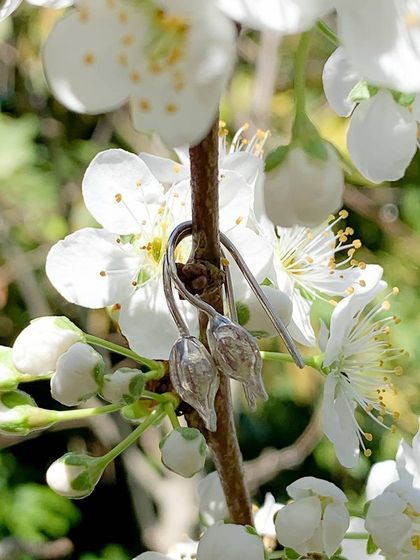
[(185, 229), (170, 299)]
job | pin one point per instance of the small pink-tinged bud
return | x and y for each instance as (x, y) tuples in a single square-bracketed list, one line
[(237, 354), (194, 377)]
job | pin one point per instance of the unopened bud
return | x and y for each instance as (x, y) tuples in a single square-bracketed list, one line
[(123, 386), (38, 347), (230, 542), (78, 375), (19, 414), (194, 377), (74, 475), (9, 375), (184, 451), (237, 354)]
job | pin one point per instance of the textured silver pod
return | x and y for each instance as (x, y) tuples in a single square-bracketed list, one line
[(194, 377), (237, 354)]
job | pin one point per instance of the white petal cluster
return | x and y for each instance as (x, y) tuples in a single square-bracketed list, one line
[(123, 386), (230, 542), (120, 265), (184, 451), (382, 136), (38, 347), (78, 375), (359, 360), (316, 521), (211, 500), (170, 61)]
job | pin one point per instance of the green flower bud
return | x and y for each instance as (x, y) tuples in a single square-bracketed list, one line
[(9, 375), (75, 475), (123, 386), (184, 451), (137, 412), (20, 415)]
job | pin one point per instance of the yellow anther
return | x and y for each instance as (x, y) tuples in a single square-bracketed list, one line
[(102, 273), (362, 283), (224, 261), (135, 77), (144, 105), (123, 17), (343, 214), (309, 259), (386, 305), (89, 59), (368, 436), (367, 452), (357, 243), (238, 220), (398, 370), (351, 252), (118, 197), (171, 108), (369, 408), (362, 265), (395, 290), (127, 40), (350, 290), (396, 415)]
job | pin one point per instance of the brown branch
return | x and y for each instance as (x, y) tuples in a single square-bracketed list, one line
[(272, 461), (206, 250), (11, 548)]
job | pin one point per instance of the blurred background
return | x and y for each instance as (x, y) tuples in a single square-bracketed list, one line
[(44, 151)]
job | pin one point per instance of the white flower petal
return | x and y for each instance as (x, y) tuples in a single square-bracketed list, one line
[(380, 476), (7, 7), (146, 323), (264, 518), (58, 4), (344, 313), (230, 542), (300, 326), (165, 170), (86, 75), (339, 78), (120, 192), (284, 16), (297, 522), (381, 42), (244, 163), (91, 269), (335, 522), (382, 138), (152, 556), (337, 417), (309, 485)]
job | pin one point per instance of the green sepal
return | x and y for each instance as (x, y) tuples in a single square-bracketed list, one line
[(276, 158), (16, 398), (371, 546), (403, 99), (136, 387), (306, 136), (361, 92), (136, 411), (65, 323), (291, 554), (8, 383)]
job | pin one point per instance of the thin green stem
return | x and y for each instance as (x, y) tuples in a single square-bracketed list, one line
[(65, 415), (153, 365), (326, 30), (314, 361), (155, 417), (162, 398), (170, 411), (356, 536), (300, 75), (26, 378)]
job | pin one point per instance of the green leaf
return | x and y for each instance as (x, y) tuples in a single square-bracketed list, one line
[(242, 310), (276, 158)]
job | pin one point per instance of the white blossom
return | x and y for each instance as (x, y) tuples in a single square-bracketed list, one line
[(9, 375), (381, 475), (316, 521), (184, 451), (382, 136), (38, 347), (211, 499), (304, 190), (169, 60), (393, 521), (303, 265), (186, 550), (283, 16), (230, 542), (359, 360), (382, 40), (78, 375), (121, 264), (355, 549)]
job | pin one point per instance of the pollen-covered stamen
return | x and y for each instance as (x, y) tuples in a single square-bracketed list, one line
[(309, 256), (365, 365), (254, 145)]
